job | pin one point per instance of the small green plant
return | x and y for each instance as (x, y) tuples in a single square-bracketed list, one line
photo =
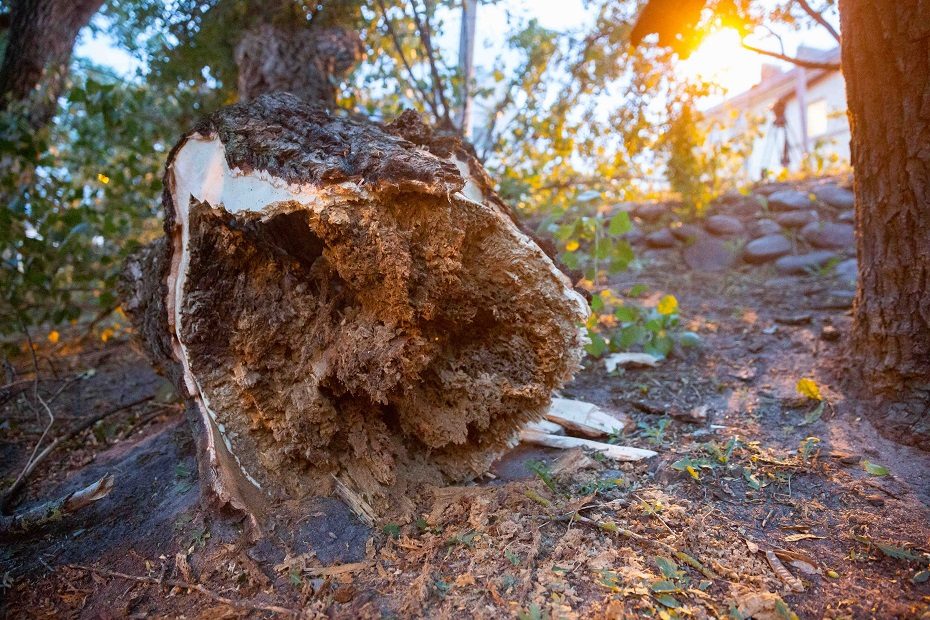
[(617, 325), (543, 472), (591, 238), (654, 433), (467, 539)]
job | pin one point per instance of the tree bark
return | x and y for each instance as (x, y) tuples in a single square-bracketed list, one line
[(886, 63), (306, 62), (38, 50), (349, 307)]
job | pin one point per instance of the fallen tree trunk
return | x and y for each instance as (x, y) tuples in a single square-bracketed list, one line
[(346, 304)]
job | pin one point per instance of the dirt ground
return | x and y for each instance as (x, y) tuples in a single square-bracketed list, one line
[(840, 512)]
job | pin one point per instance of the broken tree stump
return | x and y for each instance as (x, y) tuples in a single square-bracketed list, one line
[(346, 304)]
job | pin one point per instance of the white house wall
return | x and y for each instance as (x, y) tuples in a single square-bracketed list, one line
[(730, 123)]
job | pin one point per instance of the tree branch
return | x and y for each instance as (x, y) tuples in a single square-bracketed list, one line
[(807, 64), (819, 18), (56, 509), (10, 494), (423, 29), (425, 100)]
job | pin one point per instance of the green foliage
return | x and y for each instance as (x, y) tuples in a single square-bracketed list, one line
[(543, 472), (573, 129), (621, 325), (79, 196), (592, 239)]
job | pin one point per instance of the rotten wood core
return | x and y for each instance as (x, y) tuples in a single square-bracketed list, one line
[(347, 304)]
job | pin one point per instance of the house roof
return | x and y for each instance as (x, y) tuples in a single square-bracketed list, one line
[(780, 85)]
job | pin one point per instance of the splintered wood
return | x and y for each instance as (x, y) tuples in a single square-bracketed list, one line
[(585, 419), (342, 300)]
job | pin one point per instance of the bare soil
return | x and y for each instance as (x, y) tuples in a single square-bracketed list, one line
[(550, 534)]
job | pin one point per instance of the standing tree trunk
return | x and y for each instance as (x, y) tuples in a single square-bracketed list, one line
[(886, 63), (306, 62), (35, 64)]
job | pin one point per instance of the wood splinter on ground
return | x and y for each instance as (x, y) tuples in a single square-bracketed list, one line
[(618, 453), (346, 303)]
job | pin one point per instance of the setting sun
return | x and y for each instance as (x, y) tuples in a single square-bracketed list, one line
[(722, 60)]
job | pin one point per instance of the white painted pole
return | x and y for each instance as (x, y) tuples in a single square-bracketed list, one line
[(467, 63)]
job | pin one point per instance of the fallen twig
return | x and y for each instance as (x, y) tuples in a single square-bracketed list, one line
[(54, 510), (190, 586), (35, 459)]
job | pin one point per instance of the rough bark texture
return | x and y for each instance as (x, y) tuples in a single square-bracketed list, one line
[(306, 62), (394, 330), (886, 62), (35, 63)]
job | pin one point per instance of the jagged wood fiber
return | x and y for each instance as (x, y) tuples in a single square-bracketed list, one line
[(397, 337)]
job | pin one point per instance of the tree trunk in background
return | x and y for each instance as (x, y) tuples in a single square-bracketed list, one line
[(886, 63), (306, 62), (35, 64)]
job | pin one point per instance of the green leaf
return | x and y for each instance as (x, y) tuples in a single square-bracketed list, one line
[(597, 347), (637, 290), (668, 600), (898, 553), (668, 567), (751, 479), (875, 469), (629, 336), (892, 551), (664, 586), (921, 577), (619, 224), (392, 530), (626, 314), (813, 415)]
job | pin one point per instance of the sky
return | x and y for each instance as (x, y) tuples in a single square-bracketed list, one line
[(720, 58)]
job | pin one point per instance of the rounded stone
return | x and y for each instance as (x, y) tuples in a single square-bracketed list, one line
[(847, 271), (686, 232), (766, 227), (661, 239), (847, 217), (724, 225), (765, 249), (709, 254), (829, 235), (770, 188), (650, 212), (796, 219), (835, 196), (789, 200), (804, 263)]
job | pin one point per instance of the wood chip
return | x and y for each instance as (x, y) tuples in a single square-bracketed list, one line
[(545, 426), (612, 361), (619, 453), (584, 418), (783, 573), (338, 569)]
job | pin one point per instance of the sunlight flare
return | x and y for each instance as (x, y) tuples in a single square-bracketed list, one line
[(722, 60)]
